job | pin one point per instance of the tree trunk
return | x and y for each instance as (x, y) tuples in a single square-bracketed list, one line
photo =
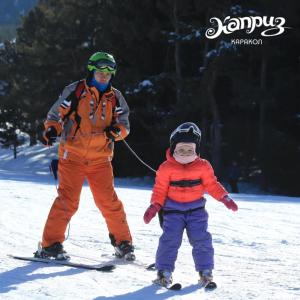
[(262, 104), (204, 109), (178, 79), (15, 145), (204, 132), (33, 138), (208, 83), (262, 136), (215, 130)]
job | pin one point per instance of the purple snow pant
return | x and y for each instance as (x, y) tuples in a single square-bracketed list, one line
[(195, 223)]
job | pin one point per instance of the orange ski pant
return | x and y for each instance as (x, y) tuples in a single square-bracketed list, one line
[(71, 176)]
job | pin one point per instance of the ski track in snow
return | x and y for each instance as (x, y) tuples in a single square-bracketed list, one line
[(256, 249)]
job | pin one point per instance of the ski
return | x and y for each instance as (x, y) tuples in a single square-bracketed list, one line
[(101, 268), (122, 261), (151, 267), (174, 287)]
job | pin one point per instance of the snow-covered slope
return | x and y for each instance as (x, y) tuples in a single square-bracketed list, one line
[(256, 249)]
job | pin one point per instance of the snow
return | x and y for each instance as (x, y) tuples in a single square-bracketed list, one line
[(211, 53), (3, 85), (197, 34), (146, 83), (255, 249), (223, 46), (143, 85), (236, 9)]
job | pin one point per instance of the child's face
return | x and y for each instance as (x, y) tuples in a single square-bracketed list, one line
[(185, 149)]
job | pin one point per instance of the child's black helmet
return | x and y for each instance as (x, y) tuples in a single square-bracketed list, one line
[(186, 133)]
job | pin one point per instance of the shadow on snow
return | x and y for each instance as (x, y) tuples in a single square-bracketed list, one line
[(20, 275), (150, 292)]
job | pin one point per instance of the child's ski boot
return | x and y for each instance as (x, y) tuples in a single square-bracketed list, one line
[(164, 278), (206, 280)]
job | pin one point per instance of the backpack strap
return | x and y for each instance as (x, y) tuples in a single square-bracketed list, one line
[(74, 97)]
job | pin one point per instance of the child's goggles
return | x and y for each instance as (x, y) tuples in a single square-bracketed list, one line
[(186, 129)]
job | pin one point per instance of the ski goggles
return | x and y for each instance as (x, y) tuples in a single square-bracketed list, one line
[(185, 129), (104, 65), (105, 69)]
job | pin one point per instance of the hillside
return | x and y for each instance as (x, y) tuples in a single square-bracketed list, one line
[(255, 248)]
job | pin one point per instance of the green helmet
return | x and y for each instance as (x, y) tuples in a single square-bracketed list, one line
[(103, 62)]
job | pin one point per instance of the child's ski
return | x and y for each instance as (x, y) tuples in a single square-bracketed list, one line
[(101, 268), (175, 287)]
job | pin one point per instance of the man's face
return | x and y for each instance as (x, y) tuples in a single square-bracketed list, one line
[(102, 77)]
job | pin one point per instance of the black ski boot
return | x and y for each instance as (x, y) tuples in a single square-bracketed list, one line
[(55, 250), (125, 250), (206, 280)]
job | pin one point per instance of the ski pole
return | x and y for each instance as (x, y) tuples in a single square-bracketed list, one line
[(127, 145), (134, 153), (54, 174)]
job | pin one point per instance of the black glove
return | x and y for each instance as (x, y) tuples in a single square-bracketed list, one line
[(112, 132), (49, 136)]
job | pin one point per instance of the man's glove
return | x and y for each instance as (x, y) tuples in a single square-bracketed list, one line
[(112, 132), (151, 211), (229, 203), (49, 136)]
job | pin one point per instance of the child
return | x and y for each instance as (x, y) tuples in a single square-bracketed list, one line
[(178, 192)]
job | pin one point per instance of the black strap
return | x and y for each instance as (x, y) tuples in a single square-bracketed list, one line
[(186, 183), (74, 97), (162, 212), (165, 212)]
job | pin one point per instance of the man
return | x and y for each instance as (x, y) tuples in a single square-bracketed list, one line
[(90, 115)]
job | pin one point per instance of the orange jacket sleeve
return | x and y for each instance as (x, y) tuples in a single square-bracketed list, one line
[(161, 186), (211, 184)]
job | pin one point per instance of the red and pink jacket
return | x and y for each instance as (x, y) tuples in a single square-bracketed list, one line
[(185, 183)]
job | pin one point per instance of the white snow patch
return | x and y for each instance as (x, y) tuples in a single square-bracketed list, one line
[(146, 83), (256, 248)]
